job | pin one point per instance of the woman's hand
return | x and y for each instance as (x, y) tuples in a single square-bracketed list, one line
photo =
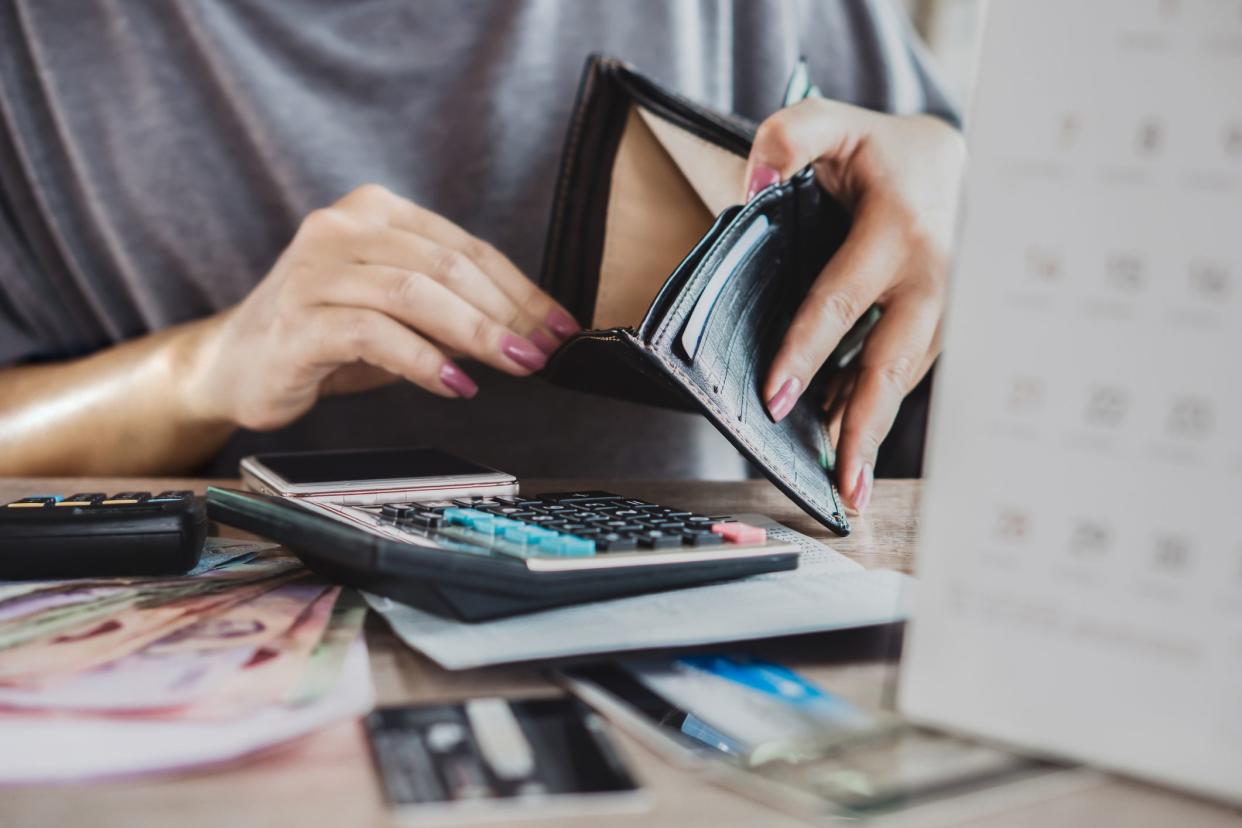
[(899, 177), (371, 289)]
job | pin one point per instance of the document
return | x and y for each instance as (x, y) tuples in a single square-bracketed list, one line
[(827, 591), (1080, 572)]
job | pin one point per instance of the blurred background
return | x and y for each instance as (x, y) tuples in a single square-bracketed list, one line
[(950, 29)]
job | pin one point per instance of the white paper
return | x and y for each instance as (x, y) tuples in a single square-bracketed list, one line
[(46, 748), (1080, 569), (828, 591)]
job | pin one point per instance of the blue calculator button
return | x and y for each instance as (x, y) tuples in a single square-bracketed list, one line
[(461, 517), (485, 524), (515, 534)]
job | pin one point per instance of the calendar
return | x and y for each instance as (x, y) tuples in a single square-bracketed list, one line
[(1080, 571)]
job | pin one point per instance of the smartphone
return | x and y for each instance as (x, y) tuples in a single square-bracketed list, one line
[(370, 476)]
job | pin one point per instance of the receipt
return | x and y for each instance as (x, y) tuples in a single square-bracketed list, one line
[(827, 591)]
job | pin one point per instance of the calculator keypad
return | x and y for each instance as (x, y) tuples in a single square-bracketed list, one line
[(569, 524)]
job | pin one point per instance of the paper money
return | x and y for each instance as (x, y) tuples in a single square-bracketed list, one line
[(252, 624), (65, 606), (328, 658), (250, 631), (98, 640), (275, 668)]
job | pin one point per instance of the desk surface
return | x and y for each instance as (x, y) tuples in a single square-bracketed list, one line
[(326, 779)]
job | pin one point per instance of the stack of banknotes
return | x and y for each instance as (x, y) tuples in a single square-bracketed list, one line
[(250, 642)]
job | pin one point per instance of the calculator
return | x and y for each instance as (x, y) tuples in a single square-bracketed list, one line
[(95, 534), (475, 558)]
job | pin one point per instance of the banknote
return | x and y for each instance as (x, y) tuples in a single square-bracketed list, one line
[(323, 669), (66, 606), (275, 668), (252, 624), (99, 640)]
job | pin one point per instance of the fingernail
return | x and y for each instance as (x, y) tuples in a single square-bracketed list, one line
[(457, 381), (782, 401), (523, 352), (760, 177), (544, 342), (863, 486), (562, 324)]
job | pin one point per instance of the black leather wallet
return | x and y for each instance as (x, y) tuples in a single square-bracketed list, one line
[(687, 293)]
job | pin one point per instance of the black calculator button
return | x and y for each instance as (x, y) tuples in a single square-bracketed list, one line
[(578, 497), (83, 499), (396, 511), (613, 542), (125, 499), (702, 537), (174, 494), (37, 502), (658, 540)]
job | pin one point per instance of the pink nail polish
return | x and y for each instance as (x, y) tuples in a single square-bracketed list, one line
[(523, 352), (863, 486), (782, 401), (457, 381), (761, 177), (544, 342), (562, 324)]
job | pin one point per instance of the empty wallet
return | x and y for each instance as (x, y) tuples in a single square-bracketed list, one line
[(689, 293)]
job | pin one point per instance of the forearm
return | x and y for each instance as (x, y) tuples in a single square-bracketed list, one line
[(125, 410)]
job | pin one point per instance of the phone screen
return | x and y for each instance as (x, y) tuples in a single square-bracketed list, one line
[(308, 467)]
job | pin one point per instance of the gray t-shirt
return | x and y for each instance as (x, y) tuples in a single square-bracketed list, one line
[(157, 155)]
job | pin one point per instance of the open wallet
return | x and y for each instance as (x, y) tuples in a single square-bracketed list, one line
[(689, 293)]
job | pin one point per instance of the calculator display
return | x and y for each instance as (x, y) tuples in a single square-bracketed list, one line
[(299, 468)]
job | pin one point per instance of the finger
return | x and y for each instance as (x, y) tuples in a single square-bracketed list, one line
[(339, 336), (459, 273), (839, 390), (404, 214), (851, 281), (423, 304), (893, 361), (801, 134)]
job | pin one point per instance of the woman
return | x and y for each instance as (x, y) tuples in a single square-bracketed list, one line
[(212, 214)]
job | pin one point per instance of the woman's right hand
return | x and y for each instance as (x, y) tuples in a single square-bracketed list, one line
[(371, 289)]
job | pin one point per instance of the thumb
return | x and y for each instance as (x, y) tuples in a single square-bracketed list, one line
[(801, 134)]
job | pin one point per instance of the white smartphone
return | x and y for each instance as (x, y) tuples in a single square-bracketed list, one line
[(370, 476)]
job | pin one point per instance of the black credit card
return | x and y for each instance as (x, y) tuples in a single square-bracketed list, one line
[(488, 757)]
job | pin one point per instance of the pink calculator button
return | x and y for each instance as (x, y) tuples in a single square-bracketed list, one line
[(740, 532)]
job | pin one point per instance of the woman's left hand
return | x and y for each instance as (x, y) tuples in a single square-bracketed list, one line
[(899, 177)]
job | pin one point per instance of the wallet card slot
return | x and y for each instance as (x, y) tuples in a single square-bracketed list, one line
[(734, 261)]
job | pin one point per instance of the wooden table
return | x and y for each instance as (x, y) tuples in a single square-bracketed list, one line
[(327, 780)]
